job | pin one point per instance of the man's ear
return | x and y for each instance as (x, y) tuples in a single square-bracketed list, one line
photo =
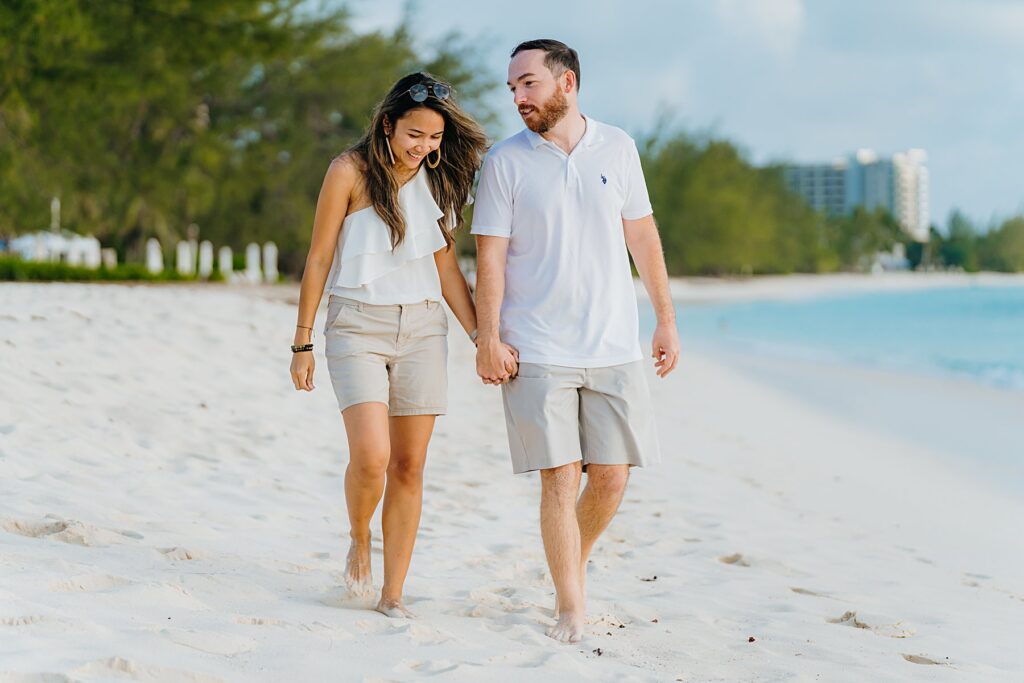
[(570, 80)]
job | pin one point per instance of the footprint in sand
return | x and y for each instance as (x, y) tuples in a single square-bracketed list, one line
[(260, 621), (740, 560), (119, 668), (816, 594), (501, 598), (427, 666), (344, 598), (212, 642), (179, 553), (27, 620), (520, 658), (382, 627), (89, 584), (526, 630), (67, 531), (422, 634), (734, 559), (893, 630), (921, 659)]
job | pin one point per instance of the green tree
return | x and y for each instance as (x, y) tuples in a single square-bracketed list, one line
[(857, 237), (719, 214), (146, 116), (959, 248), (1002, 249)]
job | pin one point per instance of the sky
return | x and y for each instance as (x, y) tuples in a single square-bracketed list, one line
[(796, 80)]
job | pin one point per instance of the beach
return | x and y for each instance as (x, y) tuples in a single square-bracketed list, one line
[(171, 510)]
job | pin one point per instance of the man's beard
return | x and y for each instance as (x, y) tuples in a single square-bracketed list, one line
[(548, 114)]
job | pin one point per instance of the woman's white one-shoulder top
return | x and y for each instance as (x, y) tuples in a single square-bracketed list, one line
[(367, 269)]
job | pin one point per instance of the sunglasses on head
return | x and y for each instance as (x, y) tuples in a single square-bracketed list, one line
[(421, 91)]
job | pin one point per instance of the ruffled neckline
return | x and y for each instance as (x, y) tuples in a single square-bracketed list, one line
[(364, 250)]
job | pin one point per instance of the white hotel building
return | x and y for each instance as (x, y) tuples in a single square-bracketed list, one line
[(898, 183)]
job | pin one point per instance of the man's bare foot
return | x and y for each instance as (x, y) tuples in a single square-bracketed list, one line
[(357, 570), (569, 628), (394, 609)]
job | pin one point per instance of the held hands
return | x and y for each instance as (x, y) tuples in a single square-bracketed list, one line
[(496, 362), (665, 348)]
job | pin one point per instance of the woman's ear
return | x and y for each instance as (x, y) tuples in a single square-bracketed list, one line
[(387, 126)]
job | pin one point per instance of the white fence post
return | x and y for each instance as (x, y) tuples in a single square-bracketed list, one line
[(224, 262), (154, 256), (252, 263), (185, 259), (205, 259), (109, 258), (270, 262)]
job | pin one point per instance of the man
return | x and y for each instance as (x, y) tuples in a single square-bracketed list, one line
[(557, 208)]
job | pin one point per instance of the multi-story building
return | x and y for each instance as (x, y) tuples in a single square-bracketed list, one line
[(898, 184)]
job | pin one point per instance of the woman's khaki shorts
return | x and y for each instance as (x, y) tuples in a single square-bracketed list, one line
[(391, 354), (557, 415)]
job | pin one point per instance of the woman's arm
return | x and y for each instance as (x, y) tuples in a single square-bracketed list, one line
[(455, 290), (331, 206)]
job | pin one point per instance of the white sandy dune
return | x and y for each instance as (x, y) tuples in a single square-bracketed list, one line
[(171, 510)]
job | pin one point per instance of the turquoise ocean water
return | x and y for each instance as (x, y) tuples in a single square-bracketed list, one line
[(973, 332)]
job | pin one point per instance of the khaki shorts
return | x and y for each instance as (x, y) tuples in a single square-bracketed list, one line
[(391, 354), (557, 415)]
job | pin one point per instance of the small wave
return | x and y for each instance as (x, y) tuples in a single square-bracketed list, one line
[(1001, 375)]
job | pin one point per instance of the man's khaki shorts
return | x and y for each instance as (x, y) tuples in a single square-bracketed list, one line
[(557, 415), (391, 354)]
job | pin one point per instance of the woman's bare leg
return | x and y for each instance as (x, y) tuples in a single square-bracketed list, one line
[(403, 500), (369, 446)]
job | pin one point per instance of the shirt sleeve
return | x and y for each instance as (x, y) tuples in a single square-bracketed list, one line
[(638, 203), (492, 209)]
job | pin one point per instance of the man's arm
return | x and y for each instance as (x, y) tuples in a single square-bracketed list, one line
[(494, 361), (644, 246)]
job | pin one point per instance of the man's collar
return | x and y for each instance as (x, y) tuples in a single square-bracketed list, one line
[(590, 135)]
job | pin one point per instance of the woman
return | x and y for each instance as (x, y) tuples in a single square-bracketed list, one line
[(382, 243)]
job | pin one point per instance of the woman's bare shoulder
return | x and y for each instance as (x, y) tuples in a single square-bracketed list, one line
[(347, 171), (347, 174), (350, 164)]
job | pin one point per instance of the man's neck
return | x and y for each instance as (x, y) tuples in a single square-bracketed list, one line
[(567, 133)]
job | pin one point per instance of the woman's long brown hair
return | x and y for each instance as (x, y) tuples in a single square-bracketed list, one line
[(462, 147)]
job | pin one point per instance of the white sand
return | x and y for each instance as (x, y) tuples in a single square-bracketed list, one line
[(171, 510)]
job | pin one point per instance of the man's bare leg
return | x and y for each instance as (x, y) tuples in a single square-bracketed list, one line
[(403, 502), (561, 533), (600, 500), (369, 449)]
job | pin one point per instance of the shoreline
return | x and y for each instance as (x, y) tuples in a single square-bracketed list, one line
[(706, 290)]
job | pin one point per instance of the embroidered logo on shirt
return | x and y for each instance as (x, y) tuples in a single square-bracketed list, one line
[(604, 181)]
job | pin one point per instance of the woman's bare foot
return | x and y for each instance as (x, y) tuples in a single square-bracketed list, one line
[(569, 628), (394, 609), (357, 569)]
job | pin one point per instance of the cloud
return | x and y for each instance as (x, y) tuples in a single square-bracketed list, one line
[(775, 24)]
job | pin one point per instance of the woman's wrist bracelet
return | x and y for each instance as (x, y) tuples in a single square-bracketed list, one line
[(300, 348)]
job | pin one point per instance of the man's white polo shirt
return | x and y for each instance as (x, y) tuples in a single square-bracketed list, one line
[(569, 296)]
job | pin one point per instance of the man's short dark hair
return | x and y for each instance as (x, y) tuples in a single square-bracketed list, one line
[(558, 56)]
